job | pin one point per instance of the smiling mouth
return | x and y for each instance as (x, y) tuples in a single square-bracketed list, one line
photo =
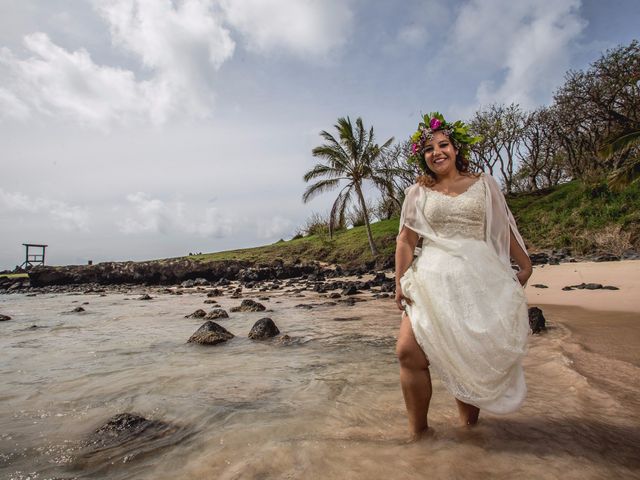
[(439, 160)]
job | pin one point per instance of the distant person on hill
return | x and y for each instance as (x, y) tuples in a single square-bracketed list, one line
[(464, 308)]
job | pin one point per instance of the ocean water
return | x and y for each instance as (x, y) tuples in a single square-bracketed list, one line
[(325, 405)]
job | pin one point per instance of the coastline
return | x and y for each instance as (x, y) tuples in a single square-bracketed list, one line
[(606, 322)]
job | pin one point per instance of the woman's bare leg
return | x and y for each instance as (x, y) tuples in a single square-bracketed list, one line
[(415, 378), (468, 413)]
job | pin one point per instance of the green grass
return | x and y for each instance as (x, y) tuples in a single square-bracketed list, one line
[(15, 275), (582, 217), (585, 218), (348, 247)]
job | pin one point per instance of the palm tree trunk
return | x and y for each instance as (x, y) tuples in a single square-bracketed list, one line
[(374, 250)]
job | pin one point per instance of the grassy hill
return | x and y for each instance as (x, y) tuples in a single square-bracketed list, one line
[(585, 218), (574, 215)]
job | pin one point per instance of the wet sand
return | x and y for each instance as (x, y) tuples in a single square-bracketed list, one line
[(328, 406)]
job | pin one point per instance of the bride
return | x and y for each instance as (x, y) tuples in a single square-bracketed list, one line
[(464, 309)]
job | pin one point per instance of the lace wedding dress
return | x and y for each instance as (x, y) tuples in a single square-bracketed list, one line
[(469, 312)]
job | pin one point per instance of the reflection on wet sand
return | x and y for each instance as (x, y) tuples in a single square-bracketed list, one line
[(326, 405)]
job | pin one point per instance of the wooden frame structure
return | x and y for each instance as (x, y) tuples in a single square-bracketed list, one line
[(33, 259)]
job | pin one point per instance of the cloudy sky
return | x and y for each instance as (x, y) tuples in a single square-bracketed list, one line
[(138, 129)]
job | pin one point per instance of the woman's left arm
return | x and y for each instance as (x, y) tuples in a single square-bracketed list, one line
[(522, 259)]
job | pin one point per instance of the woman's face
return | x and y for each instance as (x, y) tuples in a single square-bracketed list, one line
[(440, 154)]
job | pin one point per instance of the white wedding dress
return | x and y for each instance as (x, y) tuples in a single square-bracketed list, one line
[(469, 312)]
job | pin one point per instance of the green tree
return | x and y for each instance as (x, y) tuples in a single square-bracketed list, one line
[(351, 157)]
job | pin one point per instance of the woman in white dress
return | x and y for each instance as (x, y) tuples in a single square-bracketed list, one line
[(464, 309)]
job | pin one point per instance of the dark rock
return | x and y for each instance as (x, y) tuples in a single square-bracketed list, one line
[(304, 306), (606, 257), (610, 287), (335, 295), (145, 296), (567, 288), (188, 284), (197, 314), (285, 340), (630, 255), (350, 290), (592, 286), (382, 295), (217, 313), (539, 258), (536, 320), (388, 287), (346, 319), (249, 305), (210, 301), (4, 318), (78, 309), (210, 333), (216, 292), (539, 285), (117, 436), (263, 328)]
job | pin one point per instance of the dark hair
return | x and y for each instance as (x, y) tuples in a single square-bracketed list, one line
[(429, 179)]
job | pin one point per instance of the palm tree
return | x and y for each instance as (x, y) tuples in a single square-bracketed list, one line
[(351, 157), (627, 171)]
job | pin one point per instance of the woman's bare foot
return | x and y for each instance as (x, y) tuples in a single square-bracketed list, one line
[(424, 434), (468, 413)]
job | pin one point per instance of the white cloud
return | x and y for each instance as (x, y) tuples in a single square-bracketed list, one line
[(144, 214), (276, 226), (63, 84), (304, 27), (182, 43), (61, 215), (181, 46), (530, 41)]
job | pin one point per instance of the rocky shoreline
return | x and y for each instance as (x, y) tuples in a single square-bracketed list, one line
[(184, 273)]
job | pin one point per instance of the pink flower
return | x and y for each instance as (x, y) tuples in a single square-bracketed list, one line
[(414, 147), (434, 124)]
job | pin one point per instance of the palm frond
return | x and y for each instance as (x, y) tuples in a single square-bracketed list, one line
[(336, 158), (319, 187), (339, 207), (322, 170)]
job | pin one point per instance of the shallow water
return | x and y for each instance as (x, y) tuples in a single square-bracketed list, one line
[(326, 406)]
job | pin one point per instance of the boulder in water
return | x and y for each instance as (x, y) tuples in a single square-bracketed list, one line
[(197, 314), (263, 328), (210, 333), (217, 313), (536, 320), (4, 318), (249, 305)]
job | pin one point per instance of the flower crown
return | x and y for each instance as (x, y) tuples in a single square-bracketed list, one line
[(458, 132)]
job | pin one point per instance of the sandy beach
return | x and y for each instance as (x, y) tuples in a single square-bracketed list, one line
[(327, 404), (603, 321)]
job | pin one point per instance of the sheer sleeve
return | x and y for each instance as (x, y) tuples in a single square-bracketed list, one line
[(412, 215), (499, 222)]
